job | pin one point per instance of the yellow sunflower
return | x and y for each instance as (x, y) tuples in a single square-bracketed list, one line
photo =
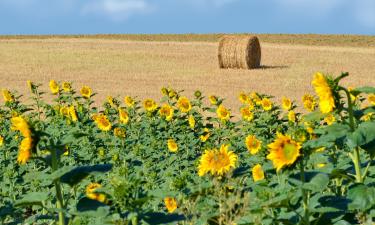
[(213, 99), (323, 90), (1, 140), (86, 92), (292, 116), (73, 114), (8, 97), (206, 134), (111, 101), (166, 111), (191, 121), (91, 194), (371, 98), (170, 204), (184, 104), (30, 85), (102, 122), (172, 145), (25, 150), (150, 105), (286, 103), (123, 115), (309, 102), (330, 119), (258, 173), (223, 113), (129, 101), (119, 132), (253, 144), (367, 116), (20, 124), (243, 98), (255, 98), (247, 114), (66, 86), (284, 151), (217, 162), (54, 87), (266, 104)]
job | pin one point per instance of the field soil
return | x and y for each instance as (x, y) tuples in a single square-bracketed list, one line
[(141, 68)]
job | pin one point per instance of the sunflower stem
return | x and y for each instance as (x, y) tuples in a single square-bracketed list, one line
[(306, 215), (57, 184)]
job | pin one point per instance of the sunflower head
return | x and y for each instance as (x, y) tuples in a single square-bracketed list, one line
[(243, 97), (129, 101), (284, 151), (191, 121), (258, 173), (253, 144), (286, 103), (73, 114), (66, 86), (183, 103), (8, 97), (54, 87), (31, 86), (170, 204), (119, 132), (172, 145), (213, 99), (123, 115), (25, 150), (205, 135), (223, 113), (247, 114), (255, 98), (330, 119), (166, 111), (91, 194), (266, 104), (371, 98), (20, 124), (309, 102), (1, 141), (292, 116), (150, 105), (323, 90), (217, 162), (86, 92), (102, 122)]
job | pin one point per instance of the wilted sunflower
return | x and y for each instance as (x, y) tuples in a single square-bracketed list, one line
[(371, 98), (323, 90), (54, 87), (8, 97), (191, 121), (91, 194), (123, 115), (292, 116), (66, 86), (243, 98), (25, 150), (217, 162), (213, 99), (223, 113), (102, 122), (246, 114), (286, 103), (309, 102), (129, 101), (166, 111), (20, 124), (330, 119), (206, 134), (150, 105), (170, 204), (119, 132), (258, 173), (284, 151), (183, 103), (253, 144), (266, 104), (172, 145), (86, 92)]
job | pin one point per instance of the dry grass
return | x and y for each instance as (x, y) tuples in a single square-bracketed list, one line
[(119, 67)]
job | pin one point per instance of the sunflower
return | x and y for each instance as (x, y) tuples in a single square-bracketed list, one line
[(367, 116), (24, 152), (66, 86), (223, 113), (213, 99), (129, 101), (20, 124), (123, 115), (284, 151), (1, 140), (330, 119), (150, 105), (54, 87), (111, 101), (253, 144), (191, 121), (8, 97), (309, 102), (64, 111), (164, 91), (243, 98), (102, 122), (286, 103), (170, 204), (206, 134), (266, 104), (217, 162), (246, 114), (323, 90), (119, 132), (172, 93), (166, 111), (255, 98), (172, 145), (371, 98), (86, 92), (72, 113), (184, 104), (292, 116), (258, 173), (31, 86), (91, 194)]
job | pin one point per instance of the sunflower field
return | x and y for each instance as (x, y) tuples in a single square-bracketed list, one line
[(188, 161)]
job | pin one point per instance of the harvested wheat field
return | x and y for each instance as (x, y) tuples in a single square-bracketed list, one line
[(142, 68)]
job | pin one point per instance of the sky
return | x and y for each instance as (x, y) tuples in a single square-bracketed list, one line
[(187, 16)]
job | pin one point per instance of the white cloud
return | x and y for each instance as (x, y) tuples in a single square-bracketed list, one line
[(117, 10)]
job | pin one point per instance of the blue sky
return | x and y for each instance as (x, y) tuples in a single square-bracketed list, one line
[(187, 16)]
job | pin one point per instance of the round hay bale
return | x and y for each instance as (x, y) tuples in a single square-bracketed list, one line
[(241, 52)]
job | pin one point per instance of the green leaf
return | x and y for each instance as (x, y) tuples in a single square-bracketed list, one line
[(86, 204), (330, 135), (363, 197), (77, 174), (317, 183), (314, 116), (33, 198), (367, 90), (363, 136)]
